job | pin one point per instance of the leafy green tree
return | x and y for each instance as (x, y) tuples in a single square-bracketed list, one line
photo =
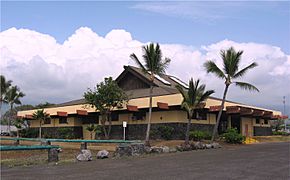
[(105, 97), (12, 97), (4, 88), (43, 105), (154, 64), (193, 98), (41, 116), (229, 73)]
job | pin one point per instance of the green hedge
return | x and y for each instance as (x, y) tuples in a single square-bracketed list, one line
[(166, 132), (280, 133), (199, 135), (29, 133), (233, 137)]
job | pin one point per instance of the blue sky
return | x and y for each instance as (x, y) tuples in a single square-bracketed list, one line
[(189, 23)]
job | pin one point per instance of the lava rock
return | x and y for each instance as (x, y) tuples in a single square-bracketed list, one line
[(135, 149), (156, 149), (85, 155), (208, 146), (198, 145), (172, 150), (165, 149), (216, 145), (102, 154)]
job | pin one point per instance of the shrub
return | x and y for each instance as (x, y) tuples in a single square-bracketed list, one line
[(29, 133), (66, 133), (154, 133), (166, 132), (232, 136), (199, 135), (280, 133)]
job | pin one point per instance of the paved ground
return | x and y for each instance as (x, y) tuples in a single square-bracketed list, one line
[(260, 161)]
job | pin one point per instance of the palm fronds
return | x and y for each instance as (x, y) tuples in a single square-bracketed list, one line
[(246, 86)]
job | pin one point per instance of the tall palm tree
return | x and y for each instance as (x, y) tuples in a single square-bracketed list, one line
[(154, 64), (41, 116), (12, 97), (4, 88), (91, 128), (193, 98), (229, 73)]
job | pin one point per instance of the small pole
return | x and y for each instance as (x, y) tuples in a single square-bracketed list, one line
[(284, 113), (124, 130), (124, 134)]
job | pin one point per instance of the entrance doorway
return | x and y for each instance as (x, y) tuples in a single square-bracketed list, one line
[(236, 122)]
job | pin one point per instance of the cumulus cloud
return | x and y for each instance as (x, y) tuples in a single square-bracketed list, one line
[(48, 71)]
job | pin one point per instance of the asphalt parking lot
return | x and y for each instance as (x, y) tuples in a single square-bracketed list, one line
[(257, 161)]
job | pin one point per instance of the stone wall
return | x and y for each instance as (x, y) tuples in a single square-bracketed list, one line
[(61, 132), (138, 131), (262, 131)]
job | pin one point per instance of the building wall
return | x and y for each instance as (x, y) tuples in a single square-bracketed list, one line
[(164, 117), (71, 121), (254, 129), (176, 119), (247, 126)]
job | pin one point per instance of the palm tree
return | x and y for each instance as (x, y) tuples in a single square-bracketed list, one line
[(91, 128), (18, 123), (229, 73), (154, 64), (41, 116), (4, 88), (193, 98), (12, 97)]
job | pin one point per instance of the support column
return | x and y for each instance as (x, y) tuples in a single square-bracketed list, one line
[(229, 122), (84, 145), (16, 142)]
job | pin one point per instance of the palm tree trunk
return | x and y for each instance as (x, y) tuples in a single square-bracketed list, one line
[(147, 143), (0, 109), (219, 115), (9, 120), (187, 131), (17, 133), (40, 130)]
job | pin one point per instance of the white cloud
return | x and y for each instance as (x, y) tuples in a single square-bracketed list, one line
[(48, 71)]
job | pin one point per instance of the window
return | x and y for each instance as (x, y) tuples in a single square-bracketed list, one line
[(63, 120), (47, 121), (201, 115), (257, 121), (265, 121), (139, 115), (114, 116), (89, 119)]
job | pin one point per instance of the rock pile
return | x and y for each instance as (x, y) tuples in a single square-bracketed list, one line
[(196, 146), (138, 149)]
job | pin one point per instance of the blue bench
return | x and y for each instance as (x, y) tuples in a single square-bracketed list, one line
[(52, 150), (83, 142)]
